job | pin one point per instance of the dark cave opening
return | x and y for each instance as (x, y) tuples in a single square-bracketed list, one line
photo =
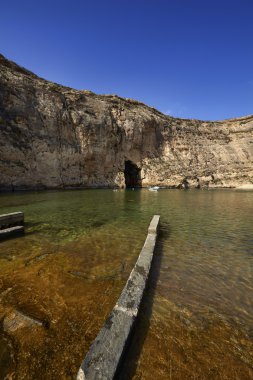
[(132, 175)]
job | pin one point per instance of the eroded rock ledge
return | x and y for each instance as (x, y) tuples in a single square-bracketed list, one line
[(56, 137)]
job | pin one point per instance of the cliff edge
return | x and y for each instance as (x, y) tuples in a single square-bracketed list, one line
[(53, 136)]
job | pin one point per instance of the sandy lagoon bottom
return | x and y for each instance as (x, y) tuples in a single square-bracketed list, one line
[(68, 270)]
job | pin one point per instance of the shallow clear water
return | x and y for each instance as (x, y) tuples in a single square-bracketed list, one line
[(79, 248)]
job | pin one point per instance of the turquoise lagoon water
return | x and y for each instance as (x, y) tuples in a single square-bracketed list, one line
[(78, 250)]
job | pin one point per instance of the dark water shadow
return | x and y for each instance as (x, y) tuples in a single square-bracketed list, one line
[(129, 361), (7, 360), (32, 227), (31, 224)]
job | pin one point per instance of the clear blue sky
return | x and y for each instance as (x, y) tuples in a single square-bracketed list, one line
[(188, 58)]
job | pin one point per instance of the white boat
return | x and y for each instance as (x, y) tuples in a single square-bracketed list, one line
[(154, 188)]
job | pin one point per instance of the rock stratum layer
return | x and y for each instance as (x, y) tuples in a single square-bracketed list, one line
[(53, 136)]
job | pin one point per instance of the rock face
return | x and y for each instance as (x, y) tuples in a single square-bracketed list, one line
[(56, 137)]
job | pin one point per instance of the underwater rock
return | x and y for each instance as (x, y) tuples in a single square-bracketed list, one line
[(16, 320)]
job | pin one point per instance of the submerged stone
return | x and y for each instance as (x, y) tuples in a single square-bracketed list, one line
[(17, 320)]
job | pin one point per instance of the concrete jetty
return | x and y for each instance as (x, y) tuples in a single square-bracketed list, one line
[(11, 224), (12, 231), (14, 218), (102, 360)]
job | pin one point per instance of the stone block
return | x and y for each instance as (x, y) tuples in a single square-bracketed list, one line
[(102, 360), (12, 219), (12, 231)]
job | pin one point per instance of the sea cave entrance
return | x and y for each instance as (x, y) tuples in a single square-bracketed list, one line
[(132, 175)]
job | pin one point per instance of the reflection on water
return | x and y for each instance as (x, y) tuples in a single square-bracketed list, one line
[(79, 248)]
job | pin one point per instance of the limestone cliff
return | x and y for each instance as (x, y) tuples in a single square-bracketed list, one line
[(55, 137)]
